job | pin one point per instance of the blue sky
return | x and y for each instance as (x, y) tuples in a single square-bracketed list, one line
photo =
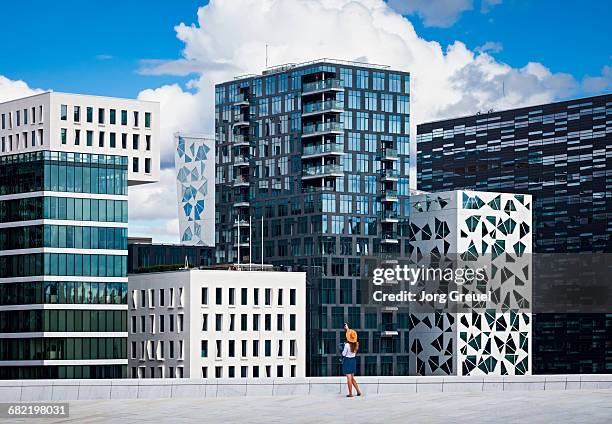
[(95, 47)]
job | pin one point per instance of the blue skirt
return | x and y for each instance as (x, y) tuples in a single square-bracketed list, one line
[(349, 365)]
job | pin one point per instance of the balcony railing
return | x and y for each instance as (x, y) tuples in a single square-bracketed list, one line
[(241, 139), (241, 118), (321, 149), (241, 98), (317, 189), (241, 223), (388, 153), (241, 160), (327, 84), (321, 128), (390, 236), (241, 199), (389, 173), (388, 193), (322, 170), (322, 106), (240, 180), (388, 215)]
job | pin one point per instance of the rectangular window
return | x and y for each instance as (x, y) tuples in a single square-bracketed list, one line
[(218, 296), (124, 141), (147, 119), (89, 138), (63, 135), (268, 297), (292, 296), (100, 116), (77, 114), (232, 296), (147, 142), (112, 116), (101, 139), (204, 349), (134, 164), (63, 113), (147, 166), (136, 115), (89, 114), (204, 295), (135, 140), (113, 139), (124, 117)]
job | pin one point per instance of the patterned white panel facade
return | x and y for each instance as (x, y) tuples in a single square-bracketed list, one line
[(494, 228), (195, 187)]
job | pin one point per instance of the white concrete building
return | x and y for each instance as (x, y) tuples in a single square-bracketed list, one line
[(217, 324), (66, 161), (78, 123), (487, 230)]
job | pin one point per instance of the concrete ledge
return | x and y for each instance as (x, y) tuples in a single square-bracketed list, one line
[(60, 390)]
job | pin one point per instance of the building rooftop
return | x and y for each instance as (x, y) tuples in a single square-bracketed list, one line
[(295, 65)]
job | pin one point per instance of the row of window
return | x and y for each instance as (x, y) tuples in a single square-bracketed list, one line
[(63, 371), (63, 292), (102, 116), (63, 208), (72, 177), (62, 320), (21, 117), (63, 348), (230, 371), (63, 236), (63, 264), (244, 353), (20, 140), (162, 323)]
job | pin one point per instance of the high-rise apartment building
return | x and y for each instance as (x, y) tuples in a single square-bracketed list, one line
[(560, 153), (66, 161), (317, 155)]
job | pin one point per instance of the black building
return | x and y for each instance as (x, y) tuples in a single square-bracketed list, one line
[(320, 151), (561, 153), (146, 256)]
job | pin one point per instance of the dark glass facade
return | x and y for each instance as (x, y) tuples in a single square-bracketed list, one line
[(151, 257), (560, 154), (319, 153), (74, 206)]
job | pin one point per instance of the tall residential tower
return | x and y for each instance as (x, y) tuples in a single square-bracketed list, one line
[(317, 156)]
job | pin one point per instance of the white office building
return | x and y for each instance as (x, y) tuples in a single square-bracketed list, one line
[(217, 324), (66, 161)]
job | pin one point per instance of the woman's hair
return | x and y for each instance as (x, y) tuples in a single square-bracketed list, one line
[(354, 346)]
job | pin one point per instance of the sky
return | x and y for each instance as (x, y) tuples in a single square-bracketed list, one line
[(459, 52)]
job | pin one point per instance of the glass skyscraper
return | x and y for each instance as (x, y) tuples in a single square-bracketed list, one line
[(317, 156), (560, 153)]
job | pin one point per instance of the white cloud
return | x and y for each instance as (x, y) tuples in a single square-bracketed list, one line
[(490, 46), (12, 89), (600, 83), (439, 13)]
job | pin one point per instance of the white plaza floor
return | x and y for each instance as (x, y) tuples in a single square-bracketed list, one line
[(584, 406)]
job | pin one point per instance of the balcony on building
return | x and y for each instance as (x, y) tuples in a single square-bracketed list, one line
[(241, 140), (322, 107), (388, 154), (389, 174), (241, 120), (241, 181), (322, 86), (241, 160), (328, 149), (241, 222), (330, 170), (388, 329), (243, 241), (242, 200), (241, 99), (322, 128), (389, 237), (388, 217), (388, 196)]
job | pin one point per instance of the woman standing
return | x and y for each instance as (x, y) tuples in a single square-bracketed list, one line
[(349, 360)]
